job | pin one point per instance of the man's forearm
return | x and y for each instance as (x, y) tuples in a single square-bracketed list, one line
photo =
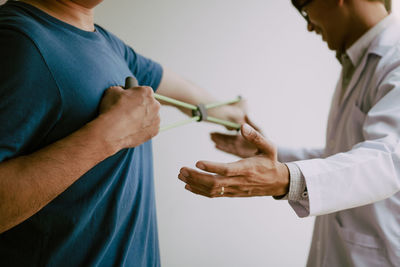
[(127, 119), (28, 183), (172, 85)]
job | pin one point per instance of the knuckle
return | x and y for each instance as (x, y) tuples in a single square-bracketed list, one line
[(154, 133), (226, 172), (247, 172), (158, 104), (257, 137), (253, 135), (212, 193), (157, 119), (110, 91), (216, 191), (139, 98), (259, 169), (147, 90), (141, 90), (149, 134), (213, 186)]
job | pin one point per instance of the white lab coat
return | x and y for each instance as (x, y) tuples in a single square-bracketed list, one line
[(353, 184)]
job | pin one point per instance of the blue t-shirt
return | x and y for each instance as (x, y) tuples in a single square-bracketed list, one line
[(52, 78)]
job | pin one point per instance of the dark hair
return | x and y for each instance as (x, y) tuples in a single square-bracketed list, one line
[(388, 5)]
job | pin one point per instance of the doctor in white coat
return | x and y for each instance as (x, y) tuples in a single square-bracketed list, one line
[(352, 184)]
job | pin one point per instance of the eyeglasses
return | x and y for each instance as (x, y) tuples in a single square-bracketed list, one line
[(299, 5)]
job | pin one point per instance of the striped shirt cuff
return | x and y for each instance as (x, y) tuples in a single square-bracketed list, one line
[(297, 186)]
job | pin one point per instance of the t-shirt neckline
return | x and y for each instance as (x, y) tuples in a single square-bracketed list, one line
[(48, 17)]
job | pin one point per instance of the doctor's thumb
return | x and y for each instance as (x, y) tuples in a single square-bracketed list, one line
[(263, 145)]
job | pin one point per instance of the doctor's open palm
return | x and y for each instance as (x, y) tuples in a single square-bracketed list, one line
[(258, 175)]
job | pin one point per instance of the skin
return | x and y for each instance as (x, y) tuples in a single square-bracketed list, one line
[(127, 118), (340, 23), (259, 175), (78, 13)]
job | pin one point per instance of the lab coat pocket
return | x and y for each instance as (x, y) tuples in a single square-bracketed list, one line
[(355, 125), (362, 249)]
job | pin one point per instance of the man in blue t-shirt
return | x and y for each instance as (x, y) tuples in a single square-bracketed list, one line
[(76, 174)]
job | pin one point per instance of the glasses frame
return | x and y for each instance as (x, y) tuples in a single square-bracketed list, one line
[(300, 8)]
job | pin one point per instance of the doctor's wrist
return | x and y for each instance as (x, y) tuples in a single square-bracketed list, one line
[(284, 180)]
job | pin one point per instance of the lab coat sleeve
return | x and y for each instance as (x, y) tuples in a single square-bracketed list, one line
[(370, 171), (288, 154)]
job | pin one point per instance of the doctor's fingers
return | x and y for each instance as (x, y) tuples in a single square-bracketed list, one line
[(217, 190), (223, 139), (234, 144), (225, 192), (206, 180), (263, 145), (220, 192), (252, 124), (238, 168), (201, 190)]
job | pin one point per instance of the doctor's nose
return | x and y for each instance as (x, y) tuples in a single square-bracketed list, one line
[(310, 26)]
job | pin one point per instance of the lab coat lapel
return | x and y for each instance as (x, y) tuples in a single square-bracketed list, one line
[(333, 113), (382, 43), (355, 79)]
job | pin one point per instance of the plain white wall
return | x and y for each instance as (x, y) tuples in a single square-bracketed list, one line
[(261, 50)]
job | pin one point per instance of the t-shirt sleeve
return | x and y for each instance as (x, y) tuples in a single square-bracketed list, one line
[(146, 71), (30, 101)]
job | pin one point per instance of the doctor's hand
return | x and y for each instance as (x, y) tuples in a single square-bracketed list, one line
[(259, 175), (236, 144)]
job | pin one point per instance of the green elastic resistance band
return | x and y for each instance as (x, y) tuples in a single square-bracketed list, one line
[(199, 112), (219, 104), (175, 102)]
